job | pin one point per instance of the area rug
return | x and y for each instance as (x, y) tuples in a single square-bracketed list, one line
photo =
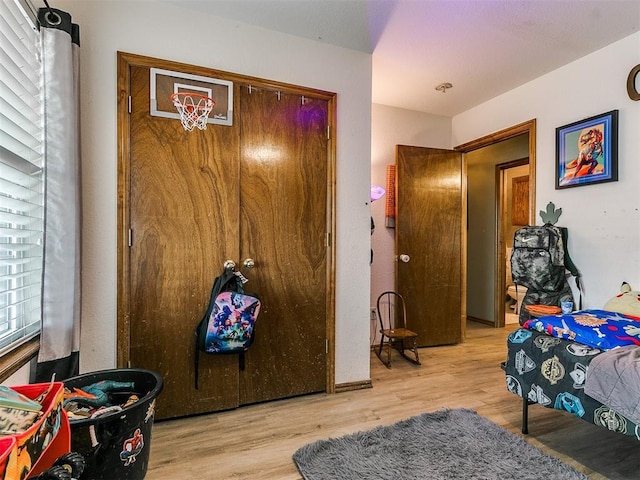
[(447, 444)]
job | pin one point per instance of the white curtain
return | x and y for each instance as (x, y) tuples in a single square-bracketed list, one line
[(60, 334)]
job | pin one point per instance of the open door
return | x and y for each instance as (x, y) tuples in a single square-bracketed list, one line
[(429, 229), (432, 234)]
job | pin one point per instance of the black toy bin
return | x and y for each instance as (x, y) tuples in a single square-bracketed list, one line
[(116, 445)]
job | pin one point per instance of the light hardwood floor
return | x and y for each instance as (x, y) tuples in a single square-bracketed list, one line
[(257, 442)]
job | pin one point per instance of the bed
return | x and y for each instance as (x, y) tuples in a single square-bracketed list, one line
[(549, 361)]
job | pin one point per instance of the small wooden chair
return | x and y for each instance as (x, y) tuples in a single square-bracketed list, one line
[(392, 315)]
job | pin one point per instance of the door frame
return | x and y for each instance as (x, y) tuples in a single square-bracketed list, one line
[(125, 61), (501, 215), (528, 127)]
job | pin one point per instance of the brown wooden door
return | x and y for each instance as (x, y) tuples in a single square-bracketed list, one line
[(257, 189), (428, 231), (183, 216), (283, 223)]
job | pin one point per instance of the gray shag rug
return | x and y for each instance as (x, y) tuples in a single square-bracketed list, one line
[(447, 444)]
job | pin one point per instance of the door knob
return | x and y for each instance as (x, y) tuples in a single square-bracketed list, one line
[(249, 263), (404, 258), (229, 266)]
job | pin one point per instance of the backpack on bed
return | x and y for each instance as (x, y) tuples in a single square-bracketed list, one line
[(228, 325), (540, 261), (537, 258)]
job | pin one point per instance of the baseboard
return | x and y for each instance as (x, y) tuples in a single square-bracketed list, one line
[(348, 387), (480, 320)]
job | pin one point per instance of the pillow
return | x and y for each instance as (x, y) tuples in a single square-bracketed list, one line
[(627, 301)]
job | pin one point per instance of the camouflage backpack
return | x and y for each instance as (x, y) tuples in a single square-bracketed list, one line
[(540, 261), (537, 259)]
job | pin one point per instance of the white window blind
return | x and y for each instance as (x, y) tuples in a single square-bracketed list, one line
[(21, 176)]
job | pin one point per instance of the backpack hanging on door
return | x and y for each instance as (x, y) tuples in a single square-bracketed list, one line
[(228, 325)]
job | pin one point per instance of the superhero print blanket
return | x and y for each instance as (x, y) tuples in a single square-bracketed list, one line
[(596, 328)]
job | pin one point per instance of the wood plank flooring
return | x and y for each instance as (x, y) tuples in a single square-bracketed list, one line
[(257, 442)]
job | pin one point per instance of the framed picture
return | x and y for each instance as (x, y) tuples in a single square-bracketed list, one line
[(587, 151)]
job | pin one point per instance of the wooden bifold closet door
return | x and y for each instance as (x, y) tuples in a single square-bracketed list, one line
[(283, 174), (192, 200)]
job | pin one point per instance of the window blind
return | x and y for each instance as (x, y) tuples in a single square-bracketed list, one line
[(21, 176)]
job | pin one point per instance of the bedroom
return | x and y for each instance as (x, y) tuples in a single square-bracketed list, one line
[(553, 100)]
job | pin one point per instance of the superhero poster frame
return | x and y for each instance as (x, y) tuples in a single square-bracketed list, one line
[(587, 151)]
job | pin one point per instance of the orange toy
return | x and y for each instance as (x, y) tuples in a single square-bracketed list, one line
[(542, 310)]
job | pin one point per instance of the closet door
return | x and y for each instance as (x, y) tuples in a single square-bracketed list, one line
[(283, 224), (189, 201), (184, 224)]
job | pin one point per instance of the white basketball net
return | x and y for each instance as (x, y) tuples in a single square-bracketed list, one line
[(193, 109)]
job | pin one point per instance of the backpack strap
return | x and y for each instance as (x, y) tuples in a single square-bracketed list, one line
[(569, 265), (196, 362)]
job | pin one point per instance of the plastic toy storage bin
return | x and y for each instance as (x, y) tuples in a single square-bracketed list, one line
[(7, 444), (116, 445), (38, 447)]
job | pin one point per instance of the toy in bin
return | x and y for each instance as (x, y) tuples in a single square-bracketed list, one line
[(95, 395), (17, 411), (37, 446), (111, 415), (68, 467)]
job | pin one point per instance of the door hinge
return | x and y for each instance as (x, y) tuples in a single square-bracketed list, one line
[(327, 239), (128, 363), (129, 104), (326, 346), (130, 239), (328, 132)]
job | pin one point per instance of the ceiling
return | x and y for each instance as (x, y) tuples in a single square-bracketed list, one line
[(482, 47)]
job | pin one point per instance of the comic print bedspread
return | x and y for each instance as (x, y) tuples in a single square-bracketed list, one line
[(552, 372), (597, 328)]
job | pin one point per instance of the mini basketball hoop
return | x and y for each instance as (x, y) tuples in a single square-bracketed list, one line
[(193, 108)]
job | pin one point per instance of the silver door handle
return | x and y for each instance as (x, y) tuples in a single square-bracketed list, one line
[(404, 258), (229, 266), (249, 263)]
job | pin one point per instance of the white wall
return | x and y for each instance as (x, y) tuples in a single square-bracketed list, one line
[(603, 219), (392, 126), (167, 32)]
